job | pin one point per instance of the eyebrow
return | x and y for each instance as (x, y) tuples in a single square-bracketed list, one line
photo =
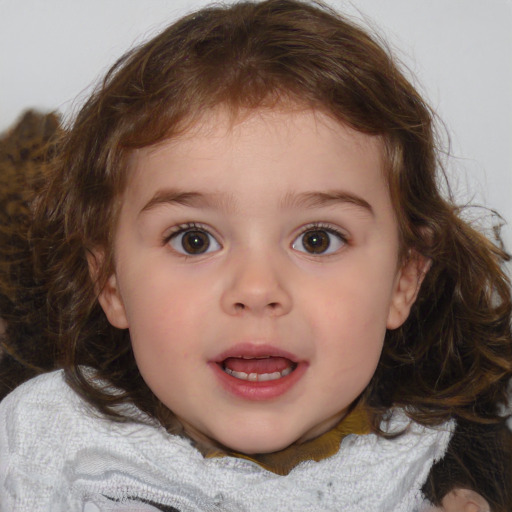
[(191, 199), (307, 200), (320, 199)]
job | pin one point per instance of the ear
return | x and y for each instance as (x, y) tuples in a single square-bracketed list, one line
[(407, 285), (109, 295)]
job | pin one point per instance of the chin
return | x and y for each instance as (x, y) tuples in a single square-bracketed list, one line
[(265, 444)]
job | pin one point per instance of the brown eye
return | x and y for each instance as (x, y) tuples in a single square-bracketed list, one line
[(316, 241), (194, 242), (319, 241)]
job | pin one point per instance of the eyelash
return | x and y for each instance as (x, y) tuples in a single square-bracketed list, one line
[(342, 237), (320, 227), (182, 229)]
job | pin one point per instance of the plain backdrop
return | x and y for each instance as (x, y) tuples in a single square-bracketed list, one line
[(459, 53)]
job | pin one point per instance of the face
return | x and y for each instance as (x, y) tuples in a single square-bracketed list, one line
[(256, 268)]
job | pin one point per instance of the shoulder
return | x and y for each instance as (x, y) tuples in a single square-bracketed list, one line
[(39, 399), (40, 385), (44, 390), (49, 436), (35, 414), (36, 421), (46, 414), (388, 473)]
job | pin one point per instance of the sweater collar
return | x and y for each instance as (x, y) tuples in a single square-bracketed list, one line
[(322, 447)]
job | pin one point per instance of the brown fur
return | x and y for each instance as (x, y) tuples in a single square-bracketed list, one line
[(26, 349)]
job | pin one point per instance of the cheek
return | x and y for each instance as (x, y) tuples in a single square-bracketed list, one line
[(352, 303), (163, 293), (349, 322), (354, 344), (168, 315)]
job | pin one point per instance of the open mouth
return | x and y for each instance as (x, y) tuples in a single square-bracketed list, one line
[(253, 371), (258, 369)]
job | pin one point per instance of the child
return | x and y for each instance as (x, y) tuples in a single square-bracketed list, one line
[(257, 295)]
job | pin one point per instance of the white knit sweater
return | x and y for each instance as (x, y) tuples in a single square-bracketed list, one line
[(57, 455)]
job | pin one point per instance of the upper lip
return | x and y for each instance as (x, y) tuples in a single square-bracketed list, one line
[(254, 350)]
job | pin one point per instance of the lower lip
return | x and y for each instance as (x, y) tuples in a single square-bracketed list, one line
[(258, 391)]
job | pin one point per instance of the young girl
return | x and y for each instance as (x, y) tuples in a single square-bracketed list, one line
[(258, 297)]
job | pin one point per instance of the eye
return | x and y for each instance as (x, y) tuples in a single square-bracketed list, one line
[(319, 240), (193, 241)]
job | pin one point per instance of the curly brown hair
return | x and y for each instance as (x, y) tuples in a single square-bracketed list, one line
[(451, 358)]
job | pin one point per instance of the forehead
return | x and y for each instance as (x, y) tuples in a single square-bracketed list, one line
[(289, 137), (259, 161)]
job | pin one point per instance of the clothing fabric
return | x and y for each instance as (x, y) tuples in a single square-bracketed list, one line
[(323, 446), (58, 455)]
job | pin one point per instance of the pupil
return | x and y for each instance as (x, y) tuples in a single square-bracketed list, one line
[(316, 241), (195, 242)]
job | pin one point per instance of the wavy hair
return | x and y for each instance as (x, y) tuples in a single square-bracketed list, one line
[(452, 357)]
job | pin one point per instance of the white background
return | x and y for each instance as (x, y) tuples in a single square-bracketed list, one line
[(459, 51)]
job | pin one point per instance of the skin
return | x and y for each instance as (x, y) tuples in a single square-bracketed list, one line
[(463, 500), (246, 185)]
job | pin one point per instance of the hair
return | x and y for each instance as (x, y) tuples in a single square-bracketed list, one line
[(451, 358)]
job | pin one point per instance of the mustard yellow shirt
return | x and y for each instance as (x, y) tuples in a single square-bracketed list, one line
[(322, 447)]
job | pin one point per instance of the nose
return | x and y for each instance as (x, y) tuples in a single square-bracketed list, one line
[(256, 285)]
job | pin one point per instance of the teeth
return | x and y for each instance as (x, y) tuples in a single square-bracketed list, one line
[(286, 371), (271, 376), (259, 377)]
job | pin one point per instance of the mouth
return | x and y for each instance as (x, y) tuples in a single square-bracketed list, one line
[(258, 372), (258, 369)]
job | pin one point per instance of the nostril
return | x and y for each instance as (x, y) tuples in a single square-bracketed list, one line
[(240, 306)]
